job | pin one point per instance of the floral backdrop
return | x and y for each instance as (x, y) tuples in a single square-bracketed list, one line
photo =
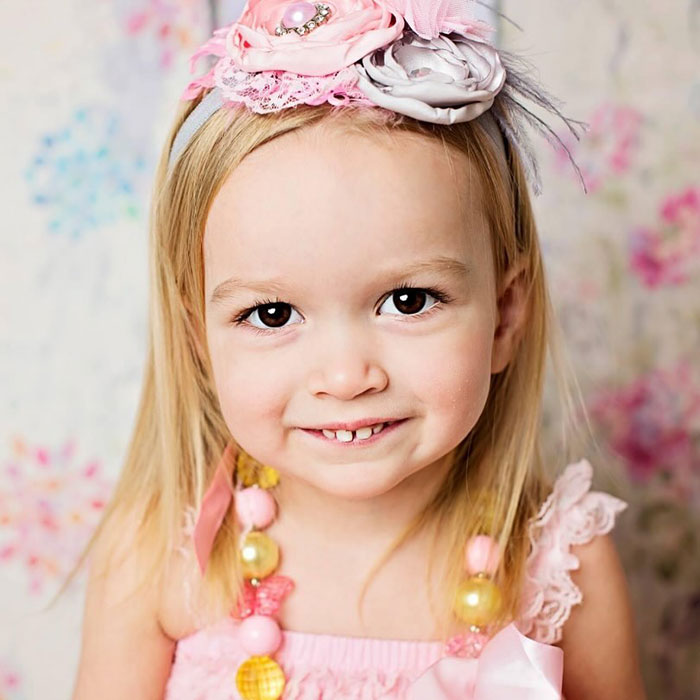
[(88, 102), (624, 267)]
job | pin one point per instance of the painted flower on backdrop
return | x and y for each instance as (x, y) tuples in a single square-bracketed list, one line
[(169, 24), (86, 173), (609, 147), (653, 424), (668, 253), (49, 504), (10, 681)]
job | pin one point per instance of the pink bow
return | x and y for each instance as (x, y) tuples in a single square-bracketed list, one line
[(215, 503), (263, 599), (510, 667)]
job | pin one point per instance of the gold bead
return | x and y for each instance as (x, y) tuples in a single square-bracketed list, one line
[(251, 473), (260, 555), (268, 477), (260, 678), (478, 601)]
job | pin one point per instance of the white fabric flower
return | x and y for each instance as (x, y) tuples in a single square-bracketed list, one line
[(444, 80)]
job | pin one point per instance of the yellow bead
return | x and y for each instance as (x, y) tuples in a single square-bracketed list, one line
[(250, 472), (478, 601), (260, 555), (268, 477), (260, 678)]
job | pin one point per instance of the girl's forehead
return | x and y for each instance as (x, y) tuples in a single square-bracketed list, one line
[(330, 198)]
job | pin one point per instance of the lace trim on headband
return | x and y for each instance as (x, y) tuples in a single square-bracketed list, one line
[(271, 91), (571, 515)]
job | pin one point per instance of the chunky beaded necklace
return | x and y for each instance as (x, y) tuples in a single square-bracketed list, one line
[(477, 601)]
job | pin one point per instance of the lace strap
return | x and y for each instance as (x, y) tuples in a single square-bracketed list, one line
[(186, 551), (572, 514)]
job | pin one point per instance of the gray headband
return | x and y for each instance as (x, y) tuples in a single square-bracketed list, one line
[(213, 101)]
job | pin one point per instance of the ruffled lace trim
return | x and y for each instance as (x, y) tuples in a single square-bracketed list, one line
[(315, 666), (571, 515), (186, 551), (270, 91), (216, 681), (323, 683)]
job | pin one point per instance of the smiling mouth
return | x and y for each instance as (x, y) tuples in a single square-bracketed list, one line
[(366, 435)]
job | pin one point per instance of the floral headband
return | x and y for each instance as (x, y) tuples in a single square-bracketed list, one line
[(427, 59)]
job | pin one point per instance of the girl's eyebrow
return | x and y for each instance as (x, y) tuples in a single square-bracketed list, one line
[(275, 285)]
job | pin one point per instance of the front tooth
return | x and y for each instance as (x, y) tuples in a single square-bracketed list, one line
[(363, 433), (377, 428), (330, 434), (344, 435)]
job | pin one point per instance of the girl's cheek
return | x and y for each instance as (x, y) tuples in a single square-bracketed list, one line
[(456, 380), (250, 393)]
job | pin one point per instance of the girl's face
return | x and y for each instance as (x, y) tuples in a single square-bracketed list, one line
[(350, 279)]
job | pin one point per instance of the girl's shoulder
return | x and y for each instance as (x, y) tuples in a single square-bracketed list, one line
[(571, 516)]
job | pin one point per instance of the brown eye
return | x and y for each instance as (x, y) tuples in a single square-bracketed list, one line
[(409, 301), (273, 315)]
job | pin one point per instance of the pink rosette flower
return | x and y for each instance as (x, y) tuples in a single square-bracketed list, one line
[(352, 29), (444, 80)]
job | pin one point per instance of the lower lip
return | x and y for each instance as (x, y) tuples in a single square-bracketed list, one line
[(376, 437)]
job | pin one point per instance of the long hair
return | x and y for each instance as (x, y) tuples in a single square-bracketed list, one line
[(496, 480)]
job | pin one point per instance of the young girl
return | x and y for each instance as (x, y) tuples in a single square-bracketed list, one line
[(334, 488)]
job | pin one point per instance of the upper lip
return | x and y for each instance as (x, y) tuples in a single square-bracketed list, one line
[(354, 425)]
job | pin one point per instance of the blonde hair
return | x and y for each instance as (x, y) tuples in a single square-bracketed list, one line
[(496, 481)]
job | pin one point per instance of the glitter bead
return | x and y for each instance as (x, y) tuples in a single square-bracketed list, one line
[(255, 507), (259, 555), (481, 555), (251, 472), (478, 601), (260, 678), (260, 635)]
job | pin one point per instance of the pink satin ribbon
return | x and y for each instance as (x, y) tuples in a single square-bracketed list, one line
[(215, 503), (511, 667)]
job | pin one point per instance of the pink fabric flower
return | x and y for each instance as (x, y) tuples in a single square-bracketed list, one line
[(428, 18), (354, 29)]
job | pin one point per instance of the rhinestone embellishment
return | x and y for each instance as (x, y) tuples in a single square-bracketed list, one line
[(322, 13)]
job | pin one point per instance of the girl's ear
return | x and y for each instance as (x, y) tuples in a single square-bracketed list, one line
[(511, 316)]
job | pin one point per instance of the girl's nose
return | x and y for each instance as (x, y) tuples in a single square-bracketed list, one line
[(346, 368)]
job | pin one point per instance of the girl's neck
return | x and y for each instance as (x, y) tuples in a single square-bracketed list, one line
[(329, 547), (310, 515)]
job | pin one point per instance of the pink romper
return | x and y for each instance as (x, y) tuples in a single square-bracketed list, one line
[(331, 667)]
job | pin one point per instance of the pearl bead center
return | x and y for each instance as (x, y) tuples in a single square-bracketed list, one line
[(298, 13)]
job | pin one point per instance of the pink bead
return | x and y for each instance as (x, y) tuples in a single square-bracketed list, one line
[(298, 13), (481, 555), (260, 635), (255, 507)]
